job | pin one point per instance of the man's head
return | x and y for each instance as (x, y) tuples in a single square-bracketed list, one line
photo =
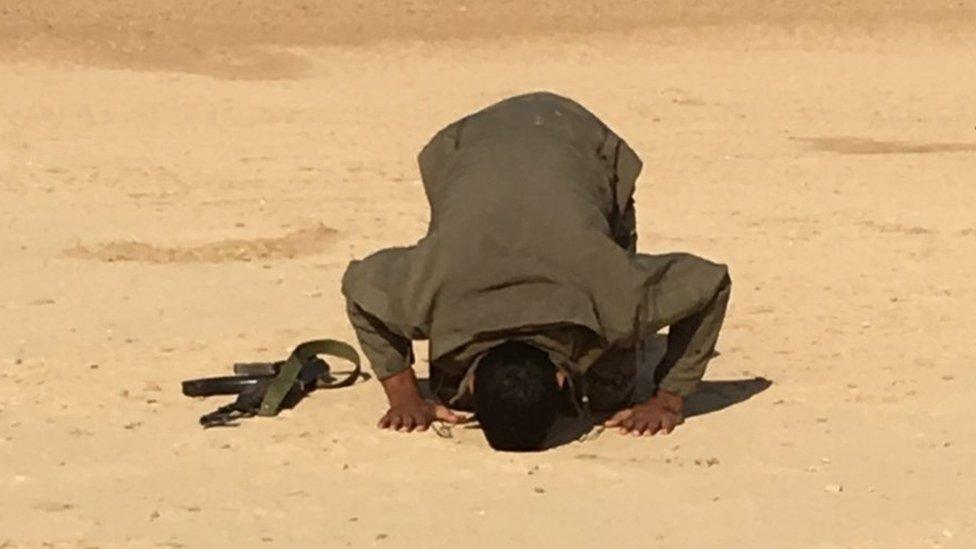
[(516, 396)]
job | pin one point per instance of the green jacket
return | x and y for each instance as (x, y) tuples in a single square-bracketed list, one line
[(531, 237)]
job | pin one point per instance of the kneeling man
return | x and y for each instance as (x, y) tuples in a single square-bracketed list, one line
[(528, 285)]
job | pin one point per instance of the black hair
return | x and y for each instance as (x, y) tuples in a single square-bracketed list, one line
[(516, 396)]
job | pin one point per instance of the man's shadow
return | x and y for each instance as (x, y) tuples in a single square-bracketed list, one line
[(711, 396)]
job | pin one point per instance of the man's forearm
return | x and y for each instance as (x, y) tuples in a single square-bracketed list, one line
[(668, 400), (402, 388)]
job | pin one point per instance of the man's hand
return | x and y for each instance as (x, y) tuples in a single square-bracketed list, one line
[(416, 414), (663, 412), (408, 410)]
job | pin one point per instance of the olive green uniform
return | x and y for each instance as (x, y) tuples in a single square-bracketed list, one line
[(532, 237)]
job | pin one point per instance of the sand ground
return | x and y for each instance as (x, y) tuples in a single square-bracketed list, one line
[(181, 187)]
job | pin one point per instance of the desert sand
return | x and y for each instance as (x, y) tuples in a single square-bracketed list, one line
[(183, 183)]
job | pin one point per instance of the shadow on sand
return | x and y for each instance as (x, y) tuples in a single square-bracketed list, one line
[(711, 396)]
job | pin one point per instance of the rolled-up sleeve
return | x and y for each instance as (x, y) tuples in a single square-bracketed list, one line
[(374, 289), (690, 296)]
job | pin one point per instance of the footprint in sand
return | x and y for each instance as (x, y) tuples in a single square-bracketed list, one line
[(897, 228), (300, 243), (862, 145)]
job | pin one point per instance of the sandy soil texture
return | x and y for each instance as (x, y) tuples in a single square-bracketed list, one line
[(183, 183)]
